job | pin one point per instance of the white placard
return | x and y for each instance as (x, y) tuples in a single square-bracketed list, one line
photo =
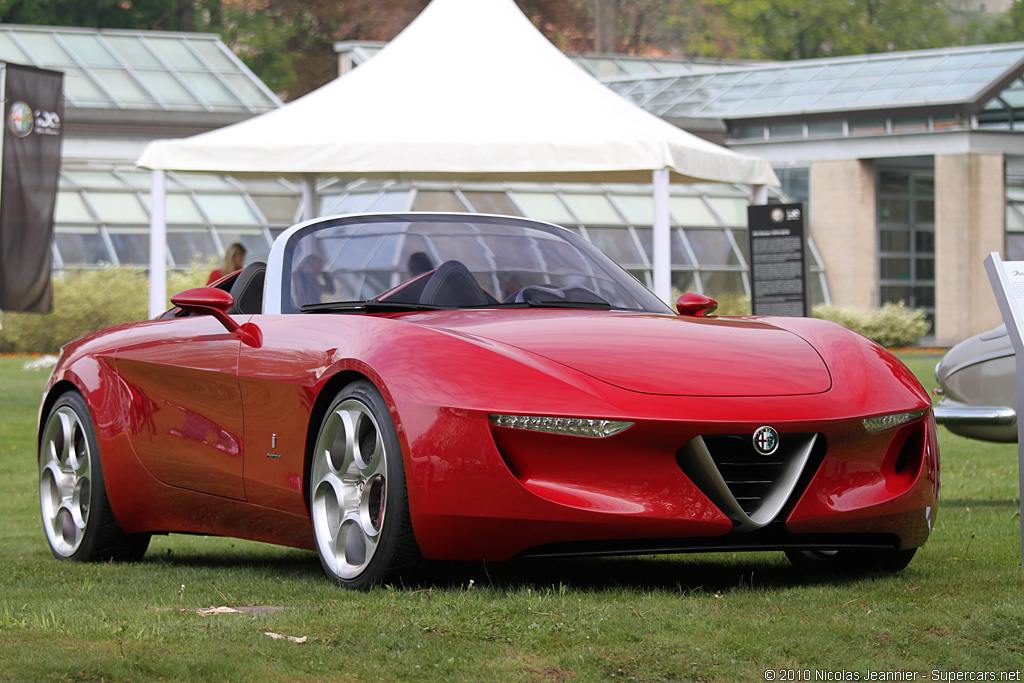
[(1007, 278)]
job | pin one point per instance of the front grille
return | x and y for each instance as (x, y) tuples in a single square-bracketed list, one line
[(749, 475), (752, 489)]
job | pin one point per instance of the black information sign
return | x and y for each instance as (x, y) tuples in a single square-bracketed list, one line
[(778, 265)]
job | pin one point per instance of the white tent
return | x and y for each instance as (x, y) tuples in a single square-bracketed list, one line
[(470, 90)]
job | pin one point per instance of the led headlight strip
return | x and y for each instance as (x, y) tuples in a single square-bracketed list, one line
[(570, 426), (881, 423)]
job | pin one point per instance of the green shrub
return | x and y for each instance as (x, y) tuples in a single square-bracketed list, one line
[(729, 303), (89, 300), (732, 303), (194, 276), (891, 325)]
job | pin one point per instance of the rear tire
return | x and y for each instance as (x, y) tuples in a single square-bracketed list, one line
[(850, 560), (77, 517), (358, 499)]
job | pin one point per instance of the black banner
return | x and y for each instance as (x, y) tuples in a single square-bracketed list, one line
[(33, 110), (778, 265)]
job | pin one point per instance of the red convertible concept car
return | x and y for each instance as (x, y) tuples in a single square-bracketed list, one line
[(388, 388)]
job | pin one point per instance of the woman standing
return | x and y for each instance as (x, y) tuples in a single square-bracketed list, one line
[(234, 259)]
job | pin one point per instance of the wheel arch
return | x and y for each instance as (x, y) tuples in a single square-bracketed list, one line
[(52, 396), (328, 391)]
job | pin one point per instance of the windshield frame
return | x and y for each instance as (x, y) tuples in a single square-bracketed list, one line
[(278, 294)]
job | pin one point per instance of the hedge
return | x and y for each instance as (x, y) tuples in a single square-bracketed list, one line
[(89, 300), (892, 325)]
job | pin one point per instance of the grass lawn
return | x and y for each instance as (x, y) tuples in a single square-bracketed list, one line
[(958, 607)]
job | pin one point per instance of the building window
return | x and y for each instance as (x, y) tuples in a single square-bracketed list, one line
[(785, 130), (826, 128), (748, 132), (1014, 219), (868, 127), (796, 182), (906, 238)]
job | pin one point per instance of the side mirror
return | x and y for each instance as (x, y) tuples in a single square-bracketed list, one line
[(204, 300), (217, 302), (696, 305)]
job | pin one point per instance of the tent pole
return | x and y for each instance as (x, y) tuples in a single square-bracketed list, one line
[(662, 237), (308, 196), (158, 244), (760, 195)]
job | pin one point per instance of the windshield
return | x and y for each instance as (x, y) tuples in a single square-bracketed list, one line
[(452, 261)]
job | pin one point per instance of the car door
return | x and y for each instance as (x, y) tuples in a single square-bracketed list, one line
[(279, 381), (181, 377)]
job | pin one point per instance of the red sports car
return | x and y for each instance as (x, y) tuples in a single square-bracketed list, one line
[(395, 387)]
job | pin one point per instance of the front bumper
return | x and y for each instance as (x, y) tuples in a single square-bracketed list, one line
[(979, 416), (986, 423), (533, 494)]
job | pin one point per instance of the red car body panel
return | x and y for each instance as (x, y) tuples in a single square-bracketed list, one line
[(185, 418), (218, 431), (701, 351)]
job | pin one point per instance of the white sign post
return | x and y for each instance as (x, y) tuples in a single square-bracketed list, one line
[(1007, 278)]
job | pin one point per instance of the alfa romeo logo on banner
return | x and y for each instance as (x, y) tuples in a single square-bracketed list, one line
[(20, 119)]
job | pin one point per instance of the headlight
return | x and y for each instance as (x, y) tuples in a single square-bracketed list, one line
[(570, 426), (881, 423)]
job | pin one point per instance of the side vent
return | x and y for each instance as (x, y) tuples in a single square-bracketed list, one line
[(750, 488)]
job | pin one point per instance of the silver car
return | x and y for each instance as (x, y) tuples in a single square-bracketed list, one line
[(978, 385)]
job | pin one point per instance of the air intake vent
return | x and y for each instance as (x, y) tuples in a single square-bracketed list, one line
[(749, 487)]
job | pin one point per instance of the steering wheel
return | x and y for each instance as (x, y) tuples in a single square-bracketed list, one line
[(542, 293)]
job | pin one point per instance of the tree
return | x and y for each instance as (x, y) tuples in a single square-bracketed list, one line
[(290, 43), (569, 24), (1008, 27), (632, 26), (706, 29), (804, 29), (165, 15)]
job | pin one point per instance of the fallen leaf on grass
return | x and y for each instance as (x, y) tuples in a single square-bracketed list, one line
[(217, 610), (240, 609)]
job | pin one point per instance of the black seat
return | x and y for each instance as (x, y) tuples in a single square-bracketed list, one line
[(453, 285), (247, 290)]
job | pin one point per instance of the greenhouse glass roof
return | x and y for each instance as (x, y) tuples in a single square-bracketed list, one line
[(141, 70), (616, 66), (949, 77), (598, 66)]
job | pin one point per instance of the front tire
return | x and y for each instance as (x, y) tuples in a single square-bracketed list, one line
[(77, 517), (850, 560), (358, 499)]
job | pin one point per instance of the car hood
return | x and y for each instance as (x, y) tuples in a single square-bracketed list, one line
[(655, 354)]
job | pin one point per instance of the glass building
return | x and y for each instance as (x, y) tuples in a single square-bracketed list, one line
[(103, 218), (910, 162), (124, 88), (912, 165), (140, 71)]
